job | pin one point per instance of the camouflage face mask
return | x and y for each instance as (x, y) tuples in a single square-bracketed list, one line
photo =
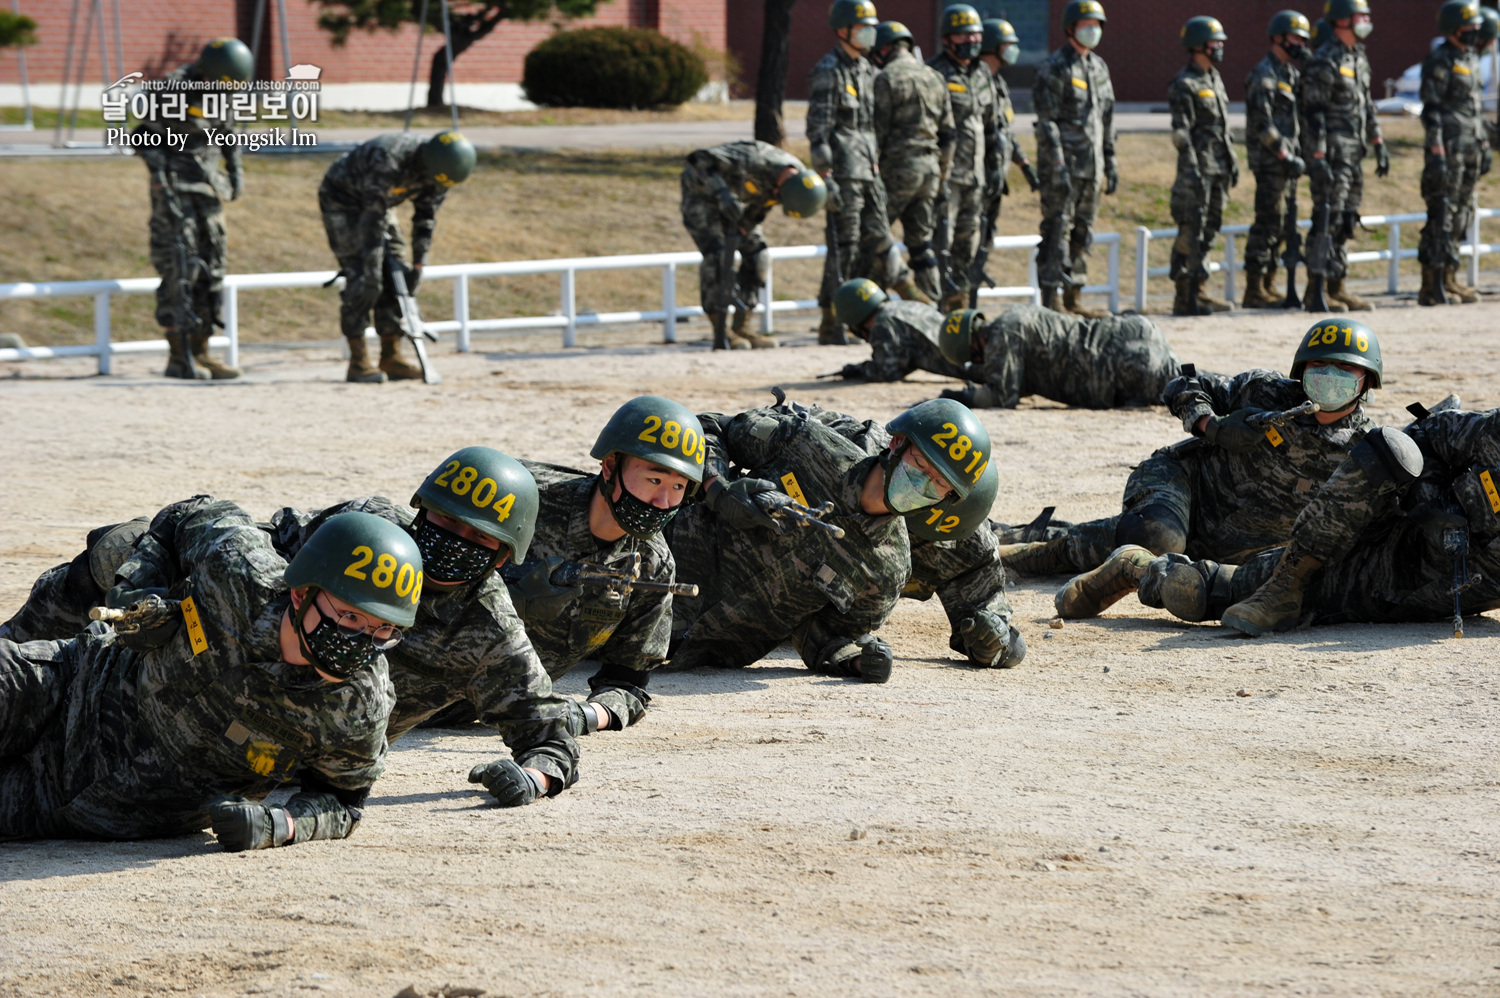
[(635, 516), (447, 557), (338, 651)]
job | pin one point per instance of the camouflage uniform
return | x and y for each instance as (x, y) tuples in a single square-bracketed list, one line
[(903, 338), (99, 741), (841, 132), (914, 131), (192, 168), (1453, 117), (1271, 132), (1205, 166), (758, 589), (1075, 141), (1338, 119), (1007, 149), (358, 197), (976, 155), (748, 172), (1118, 360)]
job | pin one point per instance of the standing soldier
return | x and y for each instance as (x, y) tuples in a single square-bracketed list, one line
[(727, 191), (1075, 151), (1456, 141), (914, 130), (358, 198), (1272, 141), (977, 167), (841, 132), (1205, 164), (1001, 47), (1338, 115), (187, 211)]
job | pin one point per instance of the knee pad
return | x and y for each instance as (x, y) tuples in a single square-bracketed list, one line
[(762, 266), (1154, 527), (1388, 457), (110, 547)]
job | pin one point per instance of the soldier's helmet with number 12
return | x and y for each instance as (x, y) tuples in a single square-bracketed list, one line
[(951, 437)]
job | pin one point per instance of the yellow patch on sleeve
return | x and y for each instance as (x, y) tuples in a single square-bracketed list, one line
[(397, 191), (1010, 115), (1275, 438), (852, 92), (1080, 84), (957, 87), (1461, 69), (1205, 93), (1488, 481), (196, 637), (1285, 88), (1346, 71), (749, 186), (789, 483), (261, 756)]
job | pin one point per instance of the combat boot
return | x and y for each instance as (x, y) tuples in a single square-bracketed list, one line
[(177, 364), (830, 330), (205, 361), (1458, 292), (741, 336), (1432, 292), (909, 291), (1351, 301), (927, 281), (1208, 301), (1089, 594), (361, 371), (1185, 302), (736, 332), (394, 367), (1071, 303), (1037, 557), (1049, 298), (1277, 605), (1268, 287), (1257, 290)]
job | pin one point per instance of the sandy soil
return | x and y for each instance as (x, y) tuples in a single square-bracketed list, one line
[(1108, 818)]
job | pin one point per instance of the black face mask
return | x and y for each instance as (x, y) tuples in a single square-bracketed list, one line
[(335, 650), (447, 557), (636, 517), (1469, 38), (967, 50), (1297, 53), (1216, 55)]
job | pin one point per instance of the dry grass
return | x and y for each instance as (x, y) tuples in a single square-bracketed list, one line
[(81, 219)]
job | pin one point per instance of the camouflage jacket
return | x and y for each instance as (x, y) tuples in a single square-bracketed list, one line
[(183, 146), (1075, 113), (1008, 150), (903, 338), (1453, 100), (749, 170), (1271, 125), (150, 738), (971, 91), (377, 175), (1338, 113), (464, 646), (1200, 124), (913, 117), (1461, 456), (841, 117)]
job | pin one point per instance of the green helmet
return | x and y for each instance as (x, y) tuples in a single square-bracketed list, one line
[(1082, 10), (448, 158), (485, 489), (225, 59), (657, 430), (892, 31), (951, 437), (1335, 11), (848, 13), (1321, 32), (1490, 28), (1199, 31), (1289, 22), (956, 338), (997, 33), (1456, 14), (369, 563), (1344, 341), (803, 194), (856, 300), (954, 520), (960, 19)]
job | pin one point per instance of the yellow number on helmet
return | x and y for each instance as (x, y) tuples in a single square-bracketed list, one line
[(364, 556), (671, 434), (652, 424), (405, 579), (960, 448), (502, 508), (385, 570)]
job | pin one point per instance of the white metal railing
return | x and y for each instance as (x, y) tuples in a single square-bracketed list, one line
[(1393, 254), (568, 318)]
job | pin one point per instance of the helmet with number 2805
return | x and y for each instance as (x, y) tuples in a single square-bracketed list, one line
[(488, 491), (1340, 341), (658, 430), (368, 562), (951, 437)]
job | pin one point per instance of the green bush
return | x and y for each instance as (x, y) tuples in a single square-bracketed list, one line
[(612, 67)]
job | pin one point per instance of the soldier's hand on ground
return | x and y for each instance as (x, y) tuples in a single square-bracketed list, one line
[(241, 824), (990, 641), (511, 785), (875, 659), (1033, 181), (534, 595), (1111, 177), (740, 504), (964, 395), (1382, 160), (1234, 432)]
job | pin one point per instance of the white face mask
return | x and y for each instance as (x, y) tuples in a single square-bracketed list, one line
[(1009, 54), (1089, 37), (1331, 387), (863, 38), (1362, 29)]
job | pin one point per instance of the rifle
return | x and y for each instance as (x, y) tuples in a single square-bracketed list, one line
[(187, 267), (728, 289), (803, 516), (1456, 543), (1440, 238), (411, 319), (833, 269), (1285, 416), (977, 274), (147, 614), (618, 581), (1319, 249), (942, 237), (1292, 255)]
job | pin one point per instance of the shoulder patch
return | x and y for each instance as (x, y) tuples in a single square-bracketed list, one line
[(1461, 69), (1205, 92), (1346, 71), (957, 87), (1080, 84), (850, 87), (793, 488), (1010, 115), (1285, 88)]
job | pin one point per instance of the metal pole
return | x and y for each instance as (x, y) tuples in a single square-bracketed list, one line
[(669, 303), (15, 8), (1114, 277), (286, 46), (1474, 243), (62, 93), (1032, 278), (1142, 265), (1393, 271), (766, 297), (230, 296), (83, 68), (569, 308), (1229, 288), (452, 81), (255, 30), (101, 331), (416, 62), (119, 42), (461, 310)]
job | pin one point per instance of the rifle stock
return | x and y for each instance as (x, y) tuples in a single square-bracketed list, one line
[(411, 319), (1292, 255)]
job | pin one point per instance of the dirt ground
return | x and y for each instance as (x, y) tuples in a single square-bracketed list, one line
[(1109, 818)]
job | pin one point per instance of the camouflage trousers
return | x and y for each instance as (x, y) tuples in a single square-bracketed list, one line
[(966, 207), (1448, 184), (911, 197), (862, 230), (708, 227), (1198, 210), (1067, 230), (33, 690), (204, 241), (1271, 211), (1343, 195), (365, 283)]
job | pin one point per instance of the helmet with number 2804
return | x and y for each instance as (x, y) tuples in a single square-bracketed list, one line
[(486, 490)]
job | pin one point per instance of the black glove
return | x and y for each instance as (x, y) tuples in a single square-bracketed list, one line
[(1296, 166), (1234, 175), (743, 504), (1320, 171), (1382, 160), (1486, 160), (834, 202), (1111, 177), (413, 275), (534, 595), (853, 372), (241, 824), (236, 184), (875, 659), (990, 641), (1029, 172), (146, 638), (1234, 432), (511, 785), (729, 205)]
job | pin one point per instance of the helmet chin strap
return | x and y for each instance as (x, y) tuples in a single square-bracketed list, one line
[(298, 618)]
